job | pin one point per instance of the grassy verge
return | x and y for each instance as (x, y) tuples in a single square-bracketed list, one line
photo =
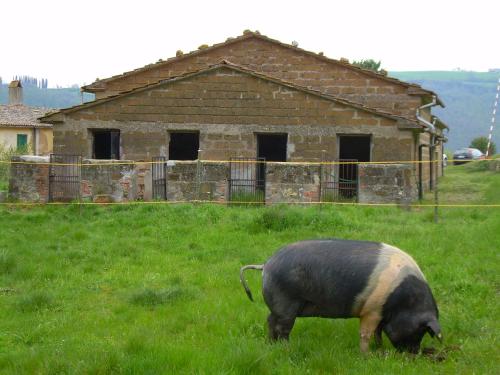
[(469, 183), (155, 289), (249, 198)]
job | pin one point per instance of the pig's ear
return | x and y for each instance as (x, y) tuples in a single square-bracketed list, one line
[(434, 329)]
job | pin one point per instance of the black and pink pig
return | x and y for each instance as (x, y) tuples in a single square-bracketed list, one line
[(378, 283)]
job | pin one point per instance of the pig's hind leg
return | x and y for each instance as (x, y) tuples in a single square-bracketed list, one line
[(284, 310), (279, 327)]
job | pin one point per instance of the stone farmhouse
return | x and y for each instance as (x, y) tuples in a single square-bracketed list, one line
[(253, 96)]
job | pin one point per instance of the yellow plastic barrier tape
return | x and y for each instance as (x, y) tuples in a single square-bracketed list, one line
[(99, 164), (246, 203)]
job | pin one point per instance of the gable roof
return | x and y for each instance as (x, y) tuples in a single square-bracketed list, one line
[(21, 116), (403, 122), (414, 88)]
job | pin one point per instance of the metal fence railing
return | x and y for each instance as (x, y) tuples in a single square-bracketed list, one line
[(339, 181), (68, 178), (247, 180), (65, 173), (159, 177)]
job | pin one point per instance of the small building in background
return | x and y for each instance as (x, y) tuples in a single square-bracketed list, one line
[(20, 129)]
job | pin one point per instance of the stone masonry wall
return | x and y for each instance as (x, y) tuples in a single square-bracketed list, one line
[(292, 183), (394, 183), (29, 179), (227, 96), (119, 181), (228, 108), (221, 142), (104, 182), (285, 63), (187, 180)]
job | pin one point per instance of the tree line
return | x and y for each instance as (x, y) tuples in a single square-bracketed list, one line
[(41, 83)]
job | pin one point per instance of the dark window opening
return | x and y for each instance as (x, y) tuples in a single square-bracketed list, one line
[(184, 146), (272, 147), (106, 144), (355, 149)]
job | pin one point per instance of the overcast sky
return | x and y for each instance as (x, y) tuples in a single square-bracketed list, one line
[(72, 42)]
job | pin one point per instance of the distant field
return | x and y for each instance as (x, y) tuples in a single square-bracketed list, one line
[(154, 289)]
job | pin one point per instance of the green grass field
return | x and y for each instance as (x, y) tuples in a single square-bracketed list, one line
[(154, 289)]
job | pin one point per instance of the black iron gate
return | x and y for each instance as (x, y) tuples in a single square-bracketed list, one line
[(339, 181), (247, 180), (65, 174), (159, 176)]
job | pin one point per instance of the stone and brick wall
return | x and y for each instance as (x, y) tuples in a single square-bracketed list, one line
[(228, 108), (285, 63), (292, 183), (187, 180), (121, 181), (29, 182), (206, 181), (112, 182), (394, 183)]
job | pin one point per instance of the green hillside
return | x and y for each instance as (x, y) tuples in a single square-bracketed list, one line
[(469, 98), (48, 98)]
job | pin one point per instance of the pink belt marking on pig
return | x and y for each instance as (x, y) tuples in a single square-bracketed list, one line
[(392, 268)]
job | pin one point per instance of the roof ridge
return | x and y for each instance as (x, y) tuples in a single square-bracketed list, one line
[(247, 34), (225, 63)]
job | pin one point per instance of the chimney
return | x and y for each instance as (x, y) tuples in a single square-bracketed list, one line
[(15, 93)]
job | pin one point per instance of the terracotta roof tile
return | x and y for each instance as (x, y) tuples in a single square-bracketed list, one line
[(20, 116)]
